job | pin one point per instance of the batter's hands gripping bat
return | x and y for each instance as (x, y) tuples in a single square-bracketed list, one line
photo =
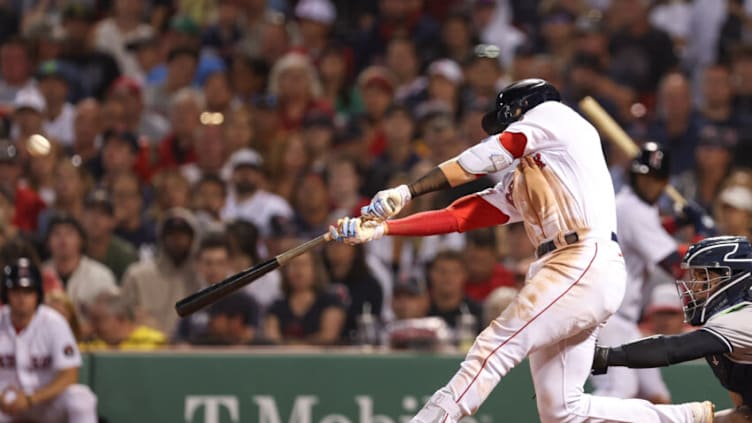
[(214, 292), (608, 126)]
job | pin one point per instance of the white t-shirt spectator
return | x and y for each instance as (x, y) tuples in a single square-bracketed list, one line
[(258, 209)]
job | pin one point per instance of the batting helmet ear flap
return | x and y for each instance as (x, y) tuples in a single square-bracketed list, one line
[(491, 123)]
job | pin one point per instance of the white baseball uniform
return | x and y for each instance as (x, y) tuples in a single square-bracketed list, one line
[(644, 243), (31, 359), (568, 292)]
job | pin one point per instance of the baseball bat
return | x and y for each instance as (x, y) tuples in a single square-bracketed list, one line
[(608, 126), (214, 292)]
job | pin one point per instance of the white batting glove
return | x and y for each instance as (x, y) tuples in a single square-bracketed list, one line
[(355, 230), (387, 203)]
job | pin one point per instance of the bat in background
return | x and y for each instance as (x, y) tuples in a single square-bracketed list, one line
[(608, 126), (221, 289)]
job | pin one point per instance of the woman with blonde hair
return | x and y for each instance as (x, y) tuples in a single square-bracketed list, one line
[(297, 87)]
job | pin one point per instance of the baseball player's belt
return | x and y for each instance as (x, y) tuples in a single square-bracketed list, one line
[(570, 238)]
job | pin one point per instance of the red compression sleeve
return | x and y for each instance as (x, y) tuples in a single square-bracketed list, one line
[(465, 214)]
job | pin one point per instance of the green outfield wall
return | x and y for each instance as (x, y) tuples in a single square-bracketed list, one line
[(306, 387)]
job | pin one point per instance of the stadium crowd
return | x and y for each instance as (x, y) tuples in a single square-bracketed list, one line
[(189, 140)]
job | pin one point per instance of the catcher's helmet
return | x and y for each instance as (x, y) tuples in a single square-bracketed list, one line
[(21, 274), (514, 100), (652, 159), (703, 293)]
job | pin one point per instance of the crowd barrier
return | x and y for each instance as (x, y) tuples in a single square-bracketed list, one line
[(312, 386)]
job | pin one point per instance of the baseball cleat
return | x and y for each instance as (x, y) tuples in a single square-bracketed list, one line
[(702, 411)]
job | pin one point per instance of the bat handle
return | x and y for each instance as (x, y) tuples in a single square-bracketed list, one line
[(676, 197), (290, 254)]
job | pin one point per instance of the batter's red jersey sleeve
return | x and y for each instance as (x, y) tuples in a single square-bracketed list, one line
[(465, 214)]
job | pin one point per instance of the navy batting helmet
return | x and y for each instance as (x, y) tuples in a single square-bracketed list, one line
[(516, 99), (21, 274), (718, 277), (652, 159)]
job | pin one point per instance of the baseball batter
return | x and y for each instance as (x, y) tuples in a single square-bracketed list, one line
[(645, 243), (556, 182), (717, 297), (39, 359)]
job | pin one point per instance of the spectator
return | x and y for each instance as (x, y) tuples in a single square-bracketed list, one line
[(312, 206), (113, 115), (289, 161), (306, 314), (243, 238), (296, 85), (457, 37), (557, 33), (15, 70), (48, 390), (223, 35), (677, 122), (445, 81), (87, 125), (496, 302), (212, 265), (343, 184), (182, 63), (347, 266), (484, 271), (266, 122), (54, 81), (318, 133), (483, 72), (640, 53), (177, 148), (399, 155), (248, 76), (232, 321), (119, 152), (40, 171), (60, 302), (376, 85), (218, 92), (171, 190), (733, 211), (742, 77), (149, 124), (712, 165), (115, 327), (71, 183), (402, 60), (447, 276), (396, 17), (717, 106), (83, 278), (247, 199), (114, 33), (411, 299), (210, 150), (101, 244), (336, 70), (148, 54), (28, 115), (132, 225), (239, 130), (93, 69), (154, 285), (315, 20), (208, 200), (26, 202)]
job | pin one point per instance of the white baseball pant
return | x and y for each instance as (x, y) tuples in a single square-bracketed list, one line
[(623, 382), (554, 321), (76, 404)]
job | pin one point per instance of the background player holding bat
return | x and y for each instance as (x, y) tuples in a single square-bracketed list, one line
[(645, 244), (555, 180)]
